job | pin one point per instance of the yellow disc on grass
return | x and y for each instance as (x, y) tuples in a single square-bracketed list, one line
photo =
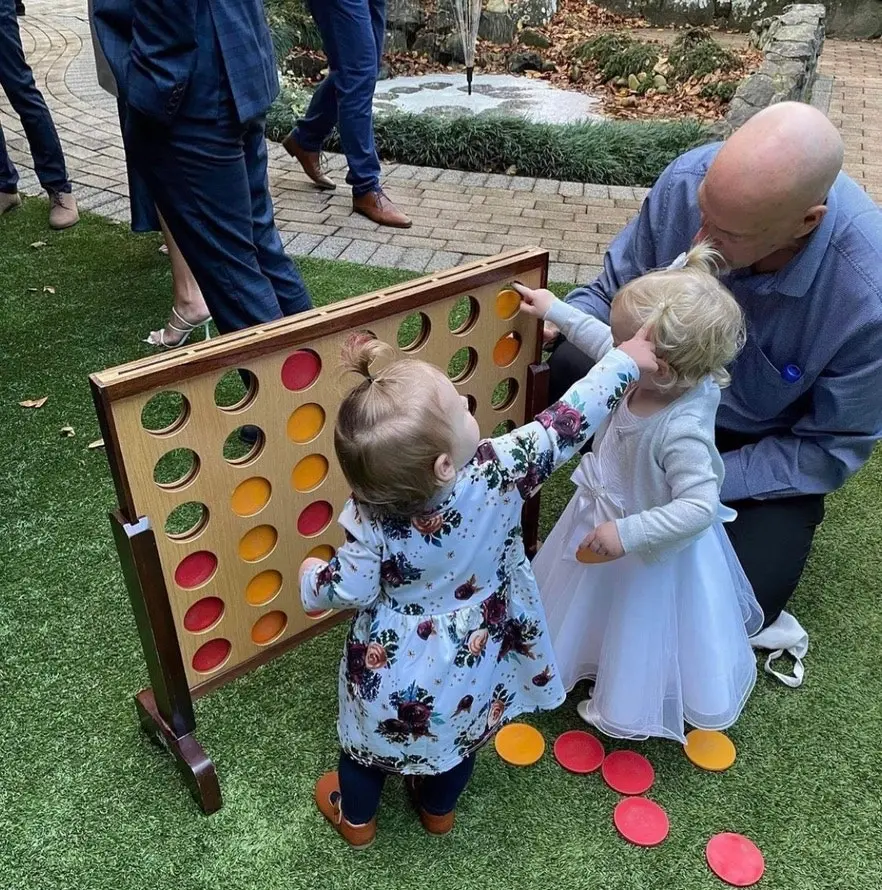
[(709, 749), (519, 744)]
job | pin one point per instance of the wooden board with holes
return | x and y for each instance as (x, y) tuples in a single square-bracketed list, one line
[(233, 520)]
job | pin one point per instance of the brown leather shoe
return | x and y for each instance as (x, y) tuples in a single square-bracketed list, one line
[(9, 201), (63, 213), (327, 799), (377, 207), (311, 161), (437, 825)]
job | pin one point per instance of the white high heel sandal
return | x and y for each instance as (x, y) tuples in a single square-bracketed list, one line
[(182, 327)]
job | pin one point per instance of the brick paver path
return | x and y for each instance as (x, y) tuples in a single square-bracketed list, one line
[(457, 216)]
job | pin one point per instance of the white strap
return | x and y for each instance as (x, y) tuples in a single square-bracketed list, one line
[(793, 681), (785, 634)]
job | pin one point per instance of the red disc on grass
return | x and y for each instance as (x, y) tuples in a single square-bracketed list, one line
[(735, 859), (628, 772), (579, 752), (640, 821)]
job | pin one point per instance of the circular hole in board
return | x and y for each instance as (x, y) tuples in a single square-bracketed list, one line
[(251, 496), (504, 394), (258, 543), (306, 423), (186, 521), (211, 655), (322, 551), (314, 518), (269, 627), (165, 413), (263, 587), (204, 614), (301, 369), (195, 569), (463, 315), (506, 349), (506, 426), (462, 364), (414, 331), (240, 450), (176, 468), (235, 390), (508, 302), (309, 473), (473, 404)]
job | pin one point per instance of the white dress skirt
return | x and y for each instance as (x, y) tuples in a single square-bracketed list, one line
[(667, 641)]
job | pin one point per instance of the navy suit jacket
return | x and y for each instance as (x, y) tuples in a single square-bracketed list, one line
[(189, 57)]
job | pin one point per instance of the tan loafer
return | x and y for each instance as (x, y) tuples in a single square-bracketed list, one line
[(9, 201), (377, 207), (310, 161)]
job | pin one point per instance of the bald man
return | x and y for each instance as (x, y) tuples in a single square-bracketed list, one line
[(804, 244)]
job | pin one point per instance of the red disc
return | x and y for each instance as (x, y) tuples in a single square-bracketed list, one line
[(211, 655), (628, 772), (735, 859), (195, 569), (203, 614), (314, 518), (579, 752), (300, 369), (640, 821)]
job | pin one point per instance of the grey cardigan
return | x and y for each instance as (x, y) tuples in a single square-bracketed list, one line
[(678, 471)]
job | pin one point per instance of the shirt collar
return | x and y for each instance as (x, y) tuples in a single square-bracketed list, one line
[(797, 276)]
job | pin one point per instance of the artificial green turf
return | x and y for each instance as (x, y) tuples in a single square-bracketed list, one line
[(87, 802)]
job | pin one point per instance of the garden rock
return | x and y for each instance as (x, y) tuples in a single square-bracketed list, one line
[(529, 37), (527, 61)]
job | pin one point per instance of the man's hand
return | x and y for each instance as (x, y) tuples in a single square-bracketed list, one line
[(604, 541), (310, 562)]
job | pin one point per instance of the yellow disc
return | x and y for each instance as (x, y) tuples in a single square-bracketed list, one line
[(251, 496), (263, 587), (519, 744), (258, 543), (508, 302), (309, 472), (589, 557), (709, 749), (322, 551), (306, 423)]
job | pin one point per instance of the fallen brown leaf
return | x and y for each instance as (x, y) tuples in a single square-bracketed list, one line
[(34, 403)]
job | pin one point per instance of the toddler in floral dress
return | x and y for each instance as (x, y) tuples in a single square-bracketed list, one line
[(449, 639)]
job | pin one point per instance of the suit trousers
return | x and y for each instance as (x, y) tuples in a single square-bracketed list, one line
[(352, 35), (17, 81), (209, 180)]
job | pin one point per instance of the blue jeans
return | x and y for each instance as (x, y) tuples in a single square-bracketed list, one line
[(209, 181), (17, 81), (361, 786), (352, 34)]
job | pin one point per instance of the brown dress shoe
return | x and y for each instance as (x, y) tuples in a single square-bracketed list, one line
[(379, 209), (9, 201), (437, 825), (327, 799), (63, 213), (311, 161)]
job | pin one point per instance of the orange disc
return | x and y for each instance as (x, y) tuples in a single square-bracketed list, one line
[(263, 587), (306, 423), (258, 543), (506, 349), (589, 557), (310, 472), (268, 627), (508, 302), (710, 750), (519, 744), (251, 496)]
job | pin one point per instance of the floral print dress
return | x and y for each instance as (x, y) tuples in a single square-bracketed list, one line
[(449, 639)]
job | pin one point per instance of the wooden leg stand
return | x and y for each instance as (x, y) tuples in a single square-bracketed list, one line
[(537, 400), (165, 710)]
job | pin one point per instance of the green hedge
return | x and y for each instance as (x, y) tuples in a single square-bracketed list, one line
[(606, 153)]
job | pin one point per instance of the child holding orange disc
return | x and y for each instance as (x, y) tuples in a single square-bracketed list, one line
[(448, 641), (663, 629)]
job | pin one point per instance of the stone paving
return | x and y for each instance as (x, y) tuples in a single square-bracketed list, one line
[(457, 216)]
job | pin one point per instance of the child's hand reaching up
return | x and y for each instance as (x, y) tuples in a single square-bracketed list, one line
[(537, 303), (604, 541), (310, 562)]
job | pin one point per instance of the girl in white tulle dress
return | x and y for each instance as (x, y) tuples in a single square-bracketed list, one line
[(642, 590)]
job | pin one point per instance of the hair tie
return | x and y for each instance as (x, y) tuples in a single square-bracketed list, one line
[(679, 262)]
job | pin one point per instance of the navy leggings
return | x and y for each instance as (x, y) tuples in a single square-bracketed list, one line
[(361, 786)]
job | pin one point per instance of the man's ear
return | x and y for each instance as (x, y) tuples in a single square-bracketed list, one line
[(445, 471), (811, 220)]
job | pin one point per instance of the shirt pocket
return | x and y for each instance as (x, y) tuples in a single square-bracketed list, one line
[(758, 386)]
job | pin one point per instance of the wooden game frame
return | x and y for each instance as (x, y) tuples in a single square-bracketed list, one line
[(165, 708)]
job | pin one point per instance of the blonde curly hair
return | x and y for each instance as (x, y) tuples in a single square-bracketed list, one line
[(696, 324)]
